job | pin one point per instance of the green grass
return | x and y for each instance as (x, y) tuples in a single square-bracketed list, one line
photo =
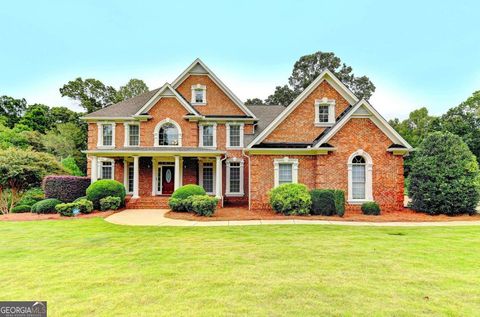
[(90, 267)]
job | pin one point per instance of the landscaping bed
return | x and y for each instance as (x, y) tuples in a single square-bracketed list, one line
[(241, 213), (30, 216)]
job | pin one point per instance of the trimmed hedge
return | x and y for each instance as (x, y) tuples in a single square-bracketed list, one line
[(109, 203), (291, 199), (370, 208), (46, 206), (83, 206), (65, 188), (105, 188), (203, 205), (31, 196), (323, 202), (20, 209), (179, 199), (339, 196)]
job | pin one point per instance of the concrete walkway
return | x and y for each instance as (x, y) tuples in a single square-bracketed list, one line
[(156, 217)]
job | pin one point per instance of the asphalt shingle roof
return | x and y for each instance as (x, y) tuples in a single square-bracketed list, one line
[(265, 115)]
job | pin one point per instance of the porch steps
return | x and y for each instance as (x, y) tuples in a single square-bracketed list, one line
[(149, 202)]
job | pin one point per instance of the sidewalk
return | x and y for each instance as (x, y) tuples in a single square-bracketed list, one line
[(156, 217)]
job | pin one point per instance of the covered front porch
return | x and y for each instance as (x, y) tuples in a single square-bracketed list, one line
[(150, 178)]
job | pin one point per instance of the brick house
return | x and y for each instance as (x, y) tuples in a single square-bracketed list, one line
[(196, 131)]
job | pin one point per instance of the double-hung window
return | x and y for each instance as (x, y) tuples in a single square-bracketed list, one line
[(199, 94), (234, 178), (234, 135), (106, 134), (207, 176), (324, 112), (133, 135), (208, 135), (286, 171), (106, 170)]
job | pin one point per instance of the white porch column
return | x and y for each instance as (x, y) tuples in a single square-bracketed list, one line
[(218, 180), (136, 160), (176, 180), (94, 169)]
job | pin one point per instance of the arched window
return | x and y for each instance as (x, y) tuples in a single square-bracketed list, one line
[(168, 133), (360, 177)]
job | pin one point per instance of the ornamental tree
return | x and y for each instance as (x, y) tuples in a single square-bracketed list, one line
[(444, 177)]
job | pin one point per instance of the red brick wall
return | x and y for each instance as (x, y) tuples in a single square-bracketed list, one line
[(299, 125), (330, 171), (217, 101)]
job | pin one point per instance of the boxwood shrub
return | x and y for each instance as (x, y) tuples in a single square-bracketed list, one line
[(46, 206), (178, 201), (110, 203), (20, 209), (203, 205), (65, 188), (31, 196), (339, 196), (104, 188), (323, 202), (67, 209), (291, 199), (370, 208)]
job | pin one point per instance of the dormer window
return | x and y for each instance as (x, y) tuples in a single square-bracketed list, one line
[(324, 112), (199, 94)]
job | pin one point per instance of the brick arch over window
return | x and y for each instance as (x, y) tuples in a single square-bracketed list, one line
[(167, 122), (360, 170)]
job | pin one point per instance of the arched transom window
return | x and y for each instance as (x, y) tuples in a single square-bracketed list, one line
[(168, 133), (360, 177)]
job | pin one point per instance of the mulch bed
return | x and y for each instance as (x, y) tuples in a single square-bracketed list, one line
[(28, 216), (239, 213)]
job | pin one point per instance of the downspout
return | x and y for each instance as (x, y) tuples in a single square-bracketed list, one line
[(249, 180), (223, 189)]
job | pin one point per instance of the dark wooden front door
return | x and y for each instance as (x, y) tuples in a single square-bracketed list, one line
[(168, 176)]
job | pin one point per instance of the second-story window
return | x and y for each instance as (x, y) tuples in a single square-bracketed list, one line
[(168, 135), (199, 94), (208, 135), (234, 135), (324, 112), (133, 135), (106, 134)]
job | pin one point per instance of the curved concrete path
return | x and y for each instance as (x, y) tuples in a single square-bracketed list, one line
[(156, 217)]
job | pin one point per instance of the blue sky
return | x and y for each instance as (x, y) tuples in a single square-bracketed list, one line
[(417, 53)]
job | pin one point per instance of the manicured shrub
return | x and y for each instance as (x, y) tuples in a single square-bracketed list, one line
[(31, 196), (178, 201), (80, 198), (291, 199), (65, 188), (203, 205), (83, 206), (444, 176), (370, 208), (323, 202), (110, 203), (104, 188), (20, 209), (46, 206), (339, 196), (188, 190)]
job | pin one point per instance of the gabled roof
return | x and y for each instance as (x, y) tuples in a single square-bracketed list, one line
[(199, 68), (326, 75), (166, 91), (363, 109)]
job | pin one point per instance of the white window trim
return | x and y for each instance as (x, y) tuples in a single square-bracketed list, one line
[(241, 135), (156, 137), (127, 133), (126, 165), (285, 160), (241, 192), (331, 111), (368, 178), (214, 171), (200, 127), (193, 100), (100, 165), (100, 135)]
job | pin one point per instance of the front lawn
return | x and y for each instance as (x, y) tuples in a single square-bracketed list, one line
[(89, 267)]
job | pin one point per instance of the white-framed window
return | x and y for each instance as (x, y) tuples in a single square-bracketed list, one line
[(199, 95), (285, 171), (132, 134), (106, 168), (208, 135), (128, 175), (106, 134), (167, 133), (324, 112), (207, 176), (235, 135), (360, 169), (235, 177)]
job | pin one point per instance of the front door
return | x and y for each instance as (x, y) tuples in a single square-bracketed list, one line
[(168, 177)]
